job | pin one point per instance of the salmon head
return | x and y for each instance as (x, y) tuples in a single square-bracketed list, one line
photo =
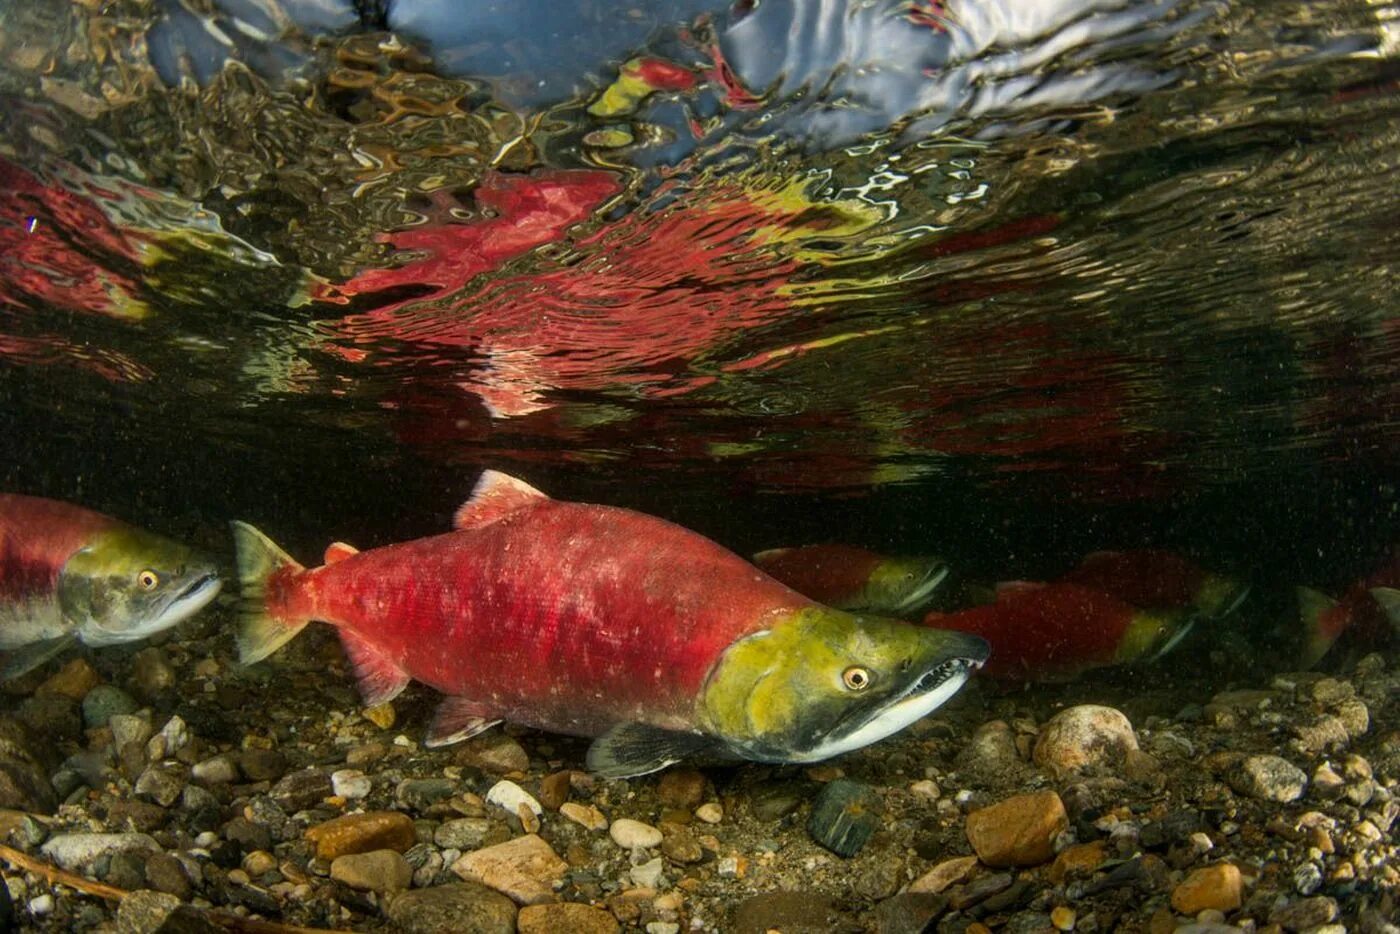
[(1150, 635), (126, 584), (902, 586), (822, 682)]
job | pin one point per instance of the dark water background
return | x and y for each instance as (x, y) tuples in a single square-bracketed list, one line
[(1004, 281)]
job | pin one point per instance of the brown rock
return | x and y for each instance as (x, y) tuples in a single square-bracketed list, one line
[(1217, 886), (1019, 831), (681, 788), (1081, 859), (494, 752), (525, 868), (1085, 737), (73, 681), (360, 833), (375, 871), (554, 790), (949, 872), (565, 916)]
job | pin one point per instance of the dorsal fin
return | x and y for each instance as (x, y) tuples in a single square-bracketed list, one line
[(337, 552), (496, 496), (1017, 588)]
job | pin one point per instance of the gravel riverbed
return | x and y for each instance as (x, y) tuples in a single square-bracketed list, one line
[(219, 795)]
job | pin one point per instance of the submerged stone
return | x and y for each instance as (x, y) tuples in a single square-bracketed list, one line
[(844, 816)]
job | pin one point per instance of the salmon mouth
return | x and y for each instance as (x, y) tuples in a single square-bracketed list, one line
[(920, 595), (924, 695)]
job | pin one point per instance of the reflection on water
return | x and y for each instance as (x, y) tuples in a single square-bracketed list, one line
[(1128, 251)]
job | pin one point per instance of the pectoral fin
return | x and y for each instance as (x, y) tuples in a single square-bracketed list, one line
[(456, 719), (631, 749), (25, 659)]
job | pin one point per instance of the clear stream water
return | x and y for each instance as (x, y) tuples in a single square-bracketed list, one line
[(1006, 281)]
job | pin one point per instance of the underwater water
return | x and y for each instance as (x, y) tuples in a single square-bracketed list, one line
[(1006, 282)]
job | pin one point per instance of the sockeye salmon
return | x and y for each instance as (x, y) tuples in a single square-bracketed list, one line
[(604, 622), (69, 575), (850, 578), (1053, 631)]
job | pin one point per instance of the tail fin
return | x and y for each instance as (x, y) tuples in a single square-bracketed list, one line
[(1321, 625), (260, 632), (1389, 599)]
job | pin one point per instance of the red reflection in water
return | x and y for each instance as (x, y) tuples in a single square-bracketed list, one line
[(58, 250)]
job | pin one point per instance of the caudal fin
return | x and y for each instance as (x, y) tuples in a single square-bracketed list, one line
[(1322, 624), (260, 631), (1389, 599)]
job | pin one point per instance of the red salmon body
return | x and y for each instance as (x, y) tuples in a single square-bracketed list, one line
[(37, 537), (1044, 630), (1147, 578), (564, 616)]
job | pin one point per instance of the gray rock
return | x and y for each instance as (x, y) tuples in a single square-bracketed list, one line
[(126, 870), (844, 816), (162, 782), (262, 765), (991, 757), (105, 701), (464, 833), (789, 912), (151, 672), (217, 770), (53, 716), (1305, 913), (420, 794), (145, 912), (25, 766), (129, 728), (459, 908), (375, 871), (165, 873), (1269, 778), (1307, 878), (75, 851), (776, 800), (301, 790), (910, 913)]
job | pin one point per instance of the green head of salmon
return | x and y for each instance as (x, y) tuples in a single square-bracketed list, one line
[(822, 682), (126, 584)]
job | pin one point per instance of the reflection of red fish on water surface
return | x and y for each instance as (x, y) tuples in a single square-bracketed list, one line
[(654, 290), (59, 250), (1158, 579), (519, 213), (1054, 631), (1368, 608)]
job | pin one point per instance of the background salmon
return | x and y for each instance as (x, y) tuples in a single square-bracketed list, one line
[(852, 578), (68, 574), (1050, 631), (593, 620)]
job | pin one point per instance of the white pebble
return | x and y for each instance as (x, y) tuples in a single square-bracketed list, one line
[(710, 812), (206, 839), (648, 874), (508, 795), (41, 905), (350, 783), (633, 833)]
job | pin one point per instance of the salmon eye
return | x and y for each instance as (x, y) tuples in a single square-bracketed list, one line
[(148, 579), (856, 678)]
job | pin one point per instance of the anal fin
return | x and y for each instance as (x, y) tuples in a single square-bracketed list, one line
[(379, 677), (16, 662), (456, 719), (631, 749)]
